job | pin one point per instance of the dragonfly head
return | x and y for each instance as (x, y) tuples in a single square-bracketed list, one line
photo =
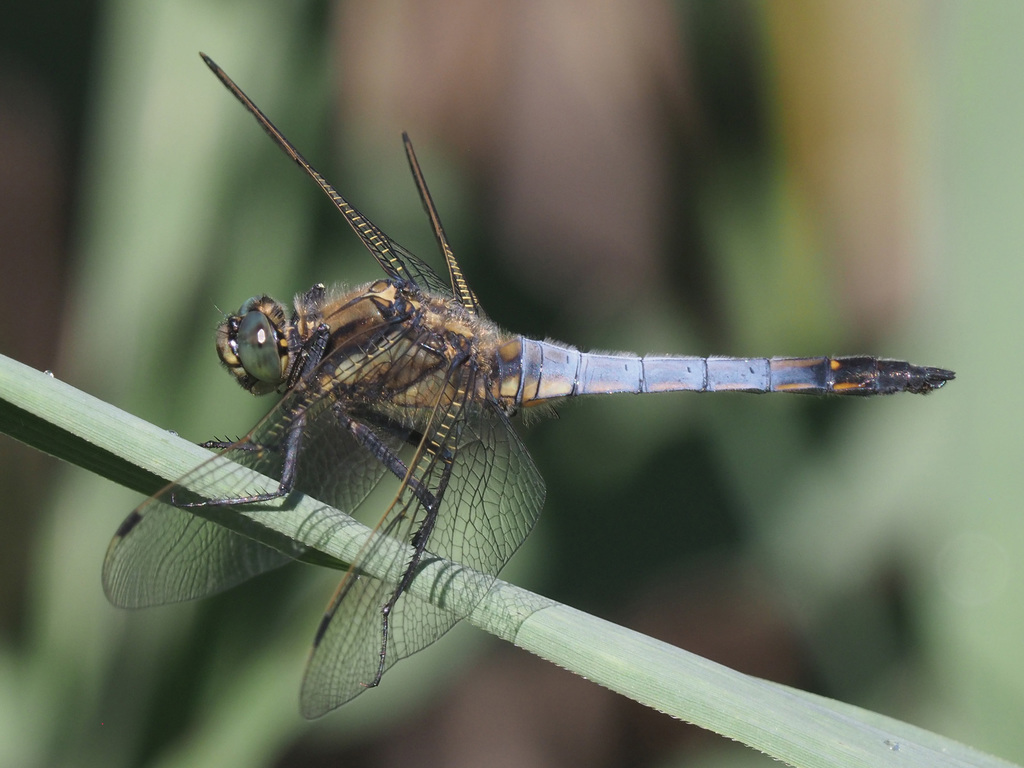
[(253, 345)]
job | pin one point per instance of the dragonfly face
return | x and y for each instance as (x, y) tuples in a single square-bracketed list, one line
[(254, 346), (403, 378)]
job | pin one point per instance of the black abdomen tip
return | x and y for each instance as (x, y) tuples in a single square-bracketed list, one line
[(924, 380)]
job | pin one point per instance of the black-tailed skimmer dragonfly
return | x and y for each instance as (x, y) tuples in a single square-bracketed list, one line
[(405, 377)]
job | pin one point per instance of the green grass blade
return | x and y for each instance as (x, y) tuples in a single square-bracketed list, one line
[(799, 728)]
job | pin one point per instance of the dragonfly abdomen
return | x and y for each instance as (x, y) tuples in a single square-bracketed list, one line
[(533, 371)]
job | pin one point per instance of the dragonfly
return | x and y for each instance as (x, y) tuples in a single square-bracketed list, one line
[(403, 378)]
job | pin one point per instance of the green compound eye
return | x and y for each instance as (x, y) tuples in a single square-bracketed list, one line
[(258, 349)]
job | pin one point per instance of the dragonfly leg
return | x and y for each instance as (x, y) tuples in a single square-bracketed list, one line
[(367, 438), (431, 502), (312, 351), (293, 441), (419, 544), (223, 445)]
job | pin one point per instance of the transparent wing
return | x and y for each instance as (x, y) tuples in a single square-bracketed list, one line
[(491, 496), (414, 267), (162, 553), (396, 261), (459, 287)]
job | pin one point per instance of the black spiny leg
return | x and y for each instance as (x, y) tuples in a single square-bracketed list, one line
[(367, 438), (292, 445), (430, 502), (419, 544)]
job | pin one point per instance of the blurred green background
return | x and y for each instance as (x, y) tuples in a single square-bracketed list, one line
[(734, 178)]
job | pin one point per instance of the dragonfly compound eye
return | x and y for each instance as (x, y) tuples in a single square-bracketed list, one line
[(259, 349)]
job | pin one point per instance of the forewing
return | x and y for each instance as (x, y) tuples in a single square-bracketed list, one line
[(396, 261), (418, 270), (493, 497), (459, 287)]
